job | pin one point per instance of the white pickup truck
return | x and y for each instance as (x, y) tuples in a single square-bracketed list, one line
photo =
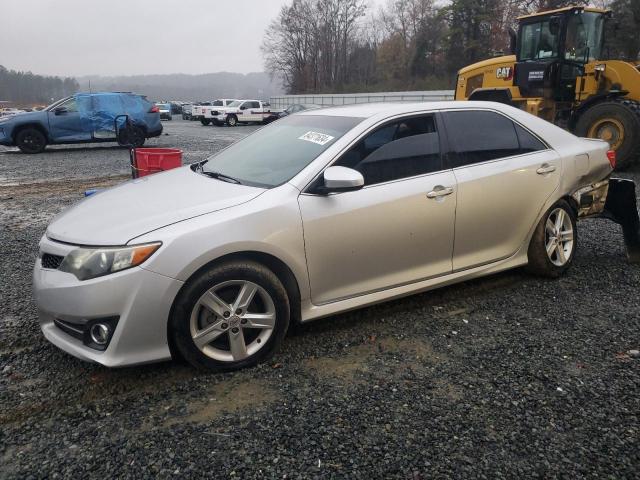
[(204, 111), (242, 111)]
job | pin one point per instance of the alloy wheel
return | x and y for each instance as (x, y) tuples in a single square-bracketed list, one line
[(559, 237), (233, 320)]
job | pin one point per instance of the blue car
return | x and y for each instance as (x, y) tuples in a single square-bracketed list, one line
[(84, 118)]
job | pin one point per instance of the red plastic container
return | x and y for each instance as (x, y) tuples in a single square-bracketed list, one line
[(145, 161)]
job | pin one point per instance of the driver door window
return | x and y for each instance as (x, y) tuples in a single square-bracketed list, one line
[(70, 105), (402, 149)]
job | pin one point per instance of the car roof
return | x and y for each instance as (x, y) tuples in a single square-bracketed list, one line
[(368, 110)]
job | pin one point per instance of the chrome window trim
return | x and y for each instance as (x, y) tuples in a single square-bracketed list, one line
[(339, 154), (370, 129)]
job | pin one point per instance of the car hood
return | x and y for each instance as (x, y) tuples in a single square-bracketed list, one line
[(25, 116), (119, 214)]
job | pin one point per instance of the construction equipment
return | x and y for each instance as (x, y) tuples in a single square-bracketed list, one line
[(557, 72)]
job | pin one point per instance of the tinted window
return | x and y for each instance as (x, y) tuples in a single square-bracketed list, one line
[(402, 149), (254, 104), (528, 143), (274, 154), (477, 136), (217, 103)]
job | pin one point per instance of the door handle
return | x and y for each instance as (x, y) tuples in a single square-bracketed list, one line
[(545, 168), (439, 191)]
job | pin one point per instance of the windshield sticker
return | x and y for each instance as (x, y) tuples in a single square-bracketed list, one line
[(315, 137)]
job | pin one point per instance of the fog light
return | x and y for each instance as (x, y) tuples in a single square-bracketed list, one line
[(100, 333)]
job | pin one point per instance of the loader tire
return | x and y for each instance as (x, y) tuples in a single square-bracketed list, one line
[(617, 121)]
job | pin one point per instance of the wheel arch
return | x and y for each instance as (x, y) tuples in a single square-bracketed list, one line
[(572, 203), (273, 263), (38, 126)]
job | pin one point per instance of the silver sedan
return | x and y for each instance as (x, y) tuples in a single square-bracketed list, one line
[(321, 212)]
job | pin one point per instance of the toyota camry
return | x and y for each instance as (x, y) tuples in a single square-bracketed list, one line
[(321, 212)]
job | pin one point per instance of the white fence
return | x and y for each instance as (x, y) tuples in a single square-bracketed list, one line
[(283, 101)]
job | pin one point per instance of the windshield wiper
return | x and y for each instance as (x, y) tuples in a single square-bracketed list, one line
[(220, 176)]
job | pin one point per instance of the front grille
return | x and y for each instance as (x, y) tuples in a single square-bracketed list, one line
[(51, 261), (73, 329)]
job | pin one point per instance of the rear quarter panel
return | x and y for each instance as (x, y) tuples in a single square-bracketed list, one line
[(584, 160)]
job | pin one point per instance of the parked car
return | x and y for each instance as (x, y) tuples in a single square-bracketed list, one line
[(297, 107), (186, 111), (82, 118), (211, 112), (318, 213), (176, 108), (197, 110), (242, 111), (165, 111)]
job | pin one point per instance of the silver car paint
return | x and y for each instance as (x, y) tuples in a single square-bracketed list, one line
[(378, 237), (279, 221), (116, 215)]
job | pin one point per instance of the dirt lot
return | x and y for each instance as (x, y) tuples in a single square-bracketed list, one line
[(506, 377)]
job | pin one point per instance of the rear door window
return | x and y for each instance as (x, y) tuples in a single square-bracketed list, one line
[(402, 149), (528, 143), (478, 136)]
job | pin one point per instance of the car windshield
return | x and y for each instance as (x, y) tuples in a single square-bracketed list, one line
[(235, 103), (275, 154)]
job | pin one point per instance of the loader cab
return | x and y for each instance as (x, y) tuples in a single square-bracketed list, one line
[(552, 49)]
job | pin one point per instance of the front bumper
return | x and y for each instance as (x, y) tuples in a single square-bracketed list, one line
[(140, 299)]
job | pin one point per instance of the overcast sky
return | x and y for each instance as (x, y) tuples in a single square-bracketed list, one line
[(129, 37)]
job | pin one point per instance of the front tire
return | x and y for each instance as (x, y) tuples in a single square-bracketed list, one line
[(31, 140), (230, 316), (205, 121), (618, 122), (554, 241), (232, 120)]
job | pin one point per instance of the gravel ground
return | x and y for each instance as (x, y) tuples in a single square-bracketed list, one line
[(505, 377)]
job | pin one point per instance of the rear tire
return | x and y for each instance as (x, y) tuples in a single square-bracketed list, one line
[(554, 241), (31, 140), (618, 122), (261, 323), (205, 121)]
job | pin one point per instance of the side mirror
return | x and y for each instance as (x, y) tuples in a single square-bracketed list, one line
[(60, 110), (341, 179)]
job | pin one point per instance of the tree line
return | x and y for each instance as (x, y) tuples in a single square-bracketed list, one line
[(26, 88), (319, 46)]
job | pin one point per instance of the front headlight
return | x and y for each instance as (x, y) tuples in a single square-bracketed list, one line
[(86, 263)]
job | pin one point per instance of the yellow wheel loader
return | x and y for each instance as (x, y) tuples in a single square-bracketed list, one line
[(557, 72)]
